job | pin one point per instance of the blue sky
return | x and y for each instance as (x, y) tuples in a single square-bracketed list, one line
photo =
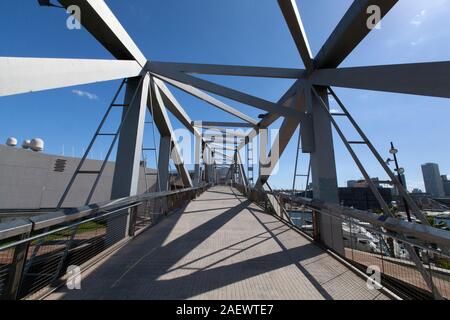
[(246, 32)]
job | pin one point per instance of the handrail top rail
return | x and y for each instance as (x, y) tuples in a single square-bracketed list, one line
[(21, 226), (422, 232)]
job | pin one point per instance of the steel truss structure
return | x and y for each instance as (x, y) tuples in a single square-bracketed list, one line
[(304, 104)]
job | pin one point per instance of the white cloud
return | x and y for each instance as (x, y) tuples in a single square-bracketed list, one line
[(85, 94), (418, 19), (418, 41)]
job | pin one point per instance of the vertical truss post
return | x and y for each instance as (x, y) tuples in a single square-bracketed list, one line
[(411, 251), (165, 144), (323, 169), (197, 154), (126, 173), (208, 155), (264, 160), (243, 176), (129, 150), (296, 161), (249, 147), (224, 147)]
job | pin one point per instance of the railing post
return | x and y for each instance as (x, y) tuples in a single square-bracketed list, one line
[(17, 269), (316, 225), (165, 205), (133, 218)]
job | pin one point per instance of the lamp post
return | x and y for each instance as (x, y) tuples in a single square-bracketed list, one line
[(399, 171)]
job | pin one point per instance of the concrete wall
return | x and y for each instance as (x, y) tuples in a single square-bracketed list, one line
[(30, 180)]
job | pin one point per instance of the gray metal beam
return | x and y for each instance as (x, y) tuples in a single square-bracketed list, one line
[(162, 121), (101, 22), (349, 32), (220, 139), (241, 169), (208, 165), (270, 118), (427, 79), (209, 99), (21, 75), (214, 124), (217, 146), (229, 93), (126, 173), (165, 149), (179, 165), (198, 150), (323, 170), (217, 151), (228, 70), (284, 135), (230, 133), (175, 107), (177, 110), (294, 22), (129, 151)]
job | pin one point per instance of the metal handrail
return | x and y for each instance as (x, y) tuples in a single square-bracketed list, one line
[(429, 243), (425, 233), (25, 273), (66, 227), (21, 226)]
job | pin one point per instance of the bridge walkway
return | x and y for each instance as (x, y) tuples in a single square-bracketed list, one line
[(221, 246)]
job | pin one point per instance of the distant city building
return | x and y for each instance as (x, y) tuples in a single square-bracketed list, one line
[(351, 183), (362, 183), (446, 185), (363, 198), (416, 191), (433, 180), (395, 191), (358, 198)]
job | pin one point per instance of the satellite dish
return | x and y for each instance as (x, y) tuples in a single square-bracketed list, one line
[(12, 142), (26, 144), (37, 145)]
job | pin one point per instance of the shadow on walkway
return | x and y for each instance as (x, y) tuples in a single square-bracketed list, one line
[(169, 261)]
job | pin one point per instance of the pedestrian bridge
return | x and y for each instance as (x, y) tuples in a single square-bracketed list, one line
[(216, 242), (221, 246), (220, 242)]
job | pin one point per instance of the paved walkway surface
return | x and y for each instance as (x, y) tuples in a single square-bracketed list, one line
[(221, 247)]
